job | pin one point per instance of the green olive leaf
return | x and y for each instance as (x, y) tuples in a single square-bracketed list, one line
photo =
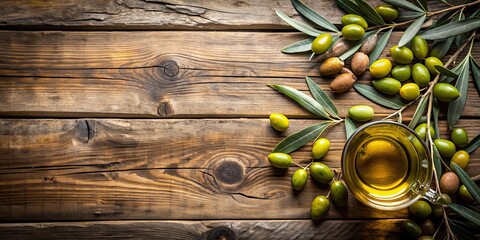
[(369, 12), (465, 212), (460, 232), (475, 14), (475, 73), (441, 47), (457, 70), (404, 4), (423, 4), (349, 6), (459, 39), (468, 182), (445, 71), (437, 162), (456, 107), (321, 97), (300, 138), (349, 127), (381, 43), (412, 31), (409, 16), (435, 113), (302, 27), (301, 98), (300, 46), (422, 104), (473, 145), (355, 47), (313, 16), (444, 19), (393, 102), (451, 29)]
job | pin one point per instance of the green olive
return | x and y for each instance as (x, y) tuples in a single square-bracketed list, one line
[(320, 206), (322, 43), (425, 238), (320, 148), (353, 32), (299, 179), (280, 160), (446, 198), (279, 122), (354, 19), (387, 12), (449, 183), (380, 68), (339, 194), (428, 227), (445, 147), (361, 113), (465, 194), (431, 62), (321, 172), (460, 137), (401, 55), (419, 47), (420, 74), (461, 158), (437, 210), (387, 85), (421, 130), (409, 91), (412, 228), (445, 92), (420, 209), (401, 72), (331, 66)]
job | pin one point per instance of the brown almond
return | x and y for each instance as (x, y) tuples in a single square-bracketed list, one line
[(331, 66), (368, 46), (342, 83), (359, 63)]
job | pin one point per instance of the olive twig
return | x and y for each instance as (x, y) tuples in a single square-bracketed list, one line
[(453, 8), (401, 109), (298, 165)]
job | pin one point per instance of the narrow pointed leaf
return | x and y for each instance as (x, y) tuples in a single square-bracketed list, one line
[(465, 224), (456, 107), (302, 27), (465, 212), (349, 6), (423, 4), (313, 16), (411, 31), (405, 5), (357, 46), (300, 46), (349, 127), (468, 182), (441, 47), (422, 104), (300, 138), (373, 95), (381, 43), (443, 20), (435, 113), (457, 70), (473, 145), (459, 39), (301, 98), (321, 97), (369, 12), (446, 71), (475, 14), (451, 29), (437, 162), (461, 232), (409, 16), (475, 73)]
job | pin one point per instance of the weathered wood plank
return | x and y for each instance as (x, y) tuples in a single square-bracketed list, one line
[(159, 74), (159, 169), (268, 229)]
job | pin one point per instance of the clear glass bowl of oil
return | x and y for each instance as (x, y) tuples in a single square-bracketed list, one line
[(386, 165)]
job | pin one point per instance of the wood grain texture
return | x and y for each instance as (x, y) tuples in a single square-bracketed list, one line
[(231, 230), (160, 169), (160, 74)]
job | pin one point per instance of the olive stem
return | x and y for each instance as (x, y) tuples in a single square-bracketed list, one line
[(298, 165), (453, 8), (401, 109)]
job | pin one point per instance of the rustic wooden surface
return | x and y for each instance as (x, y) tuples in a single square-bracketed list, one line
[(164, 132)]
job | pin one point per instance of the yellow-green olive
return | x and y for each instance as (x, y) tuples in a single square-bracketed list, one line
[(449, 183), (354, 19), (446, 198), (280, 160), (279, 122), (465, 194), (412, 228), (445, 147), (421, 130), (380, 68), (401, 72), (428, 227), (320, 148), (361, 113), (461, 158), (331, 66), (401, 55), (431, 62), (299, 179), (387, 85), (320, 206), (321, 172), (387, 12), (419, 47), (409, 91), (339, 194), (445, 92), (420, 75), (322, 43), (353, 32), (420, 209), (460, 137)]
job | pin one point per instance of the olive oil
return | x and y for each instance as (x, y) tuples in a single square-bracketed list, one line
[(385, 165)]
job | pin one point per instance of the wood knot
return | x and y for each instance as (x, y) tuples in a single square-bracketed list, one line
[(170, 69), (84, 131), (229, 174), (220, 233), (165, 109)]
